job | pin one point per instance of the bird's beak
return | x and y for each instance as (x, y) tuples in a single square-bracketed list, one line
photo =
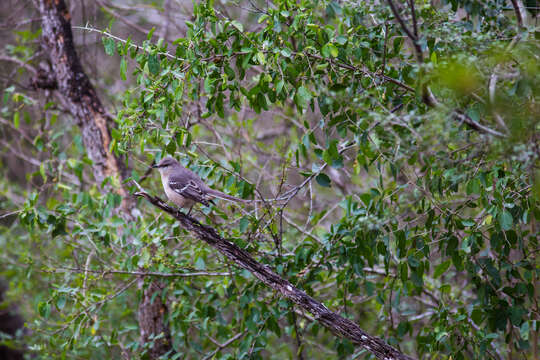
[(155, 166)]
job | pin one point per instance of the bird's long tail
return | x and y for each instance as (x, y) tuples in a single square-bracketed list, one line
[(221, 195)]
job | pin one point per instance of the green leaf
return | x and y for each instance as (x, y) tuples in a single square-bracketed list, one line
[(59, 228), (273, 325), (333, 9), (330, 50), (219, 106), (433, 57), (123, 68), (286, 52), (44, 309), (261, 58), (341, 40), (476, 316), (153, 64), (413, 261), (404, 272), (150, 33), (200, 264), (244, 223), (171, 147), (209, 85), (16, 119), (302, 97), (277, 25), (42, 172), (323, 180), (441, 268), (110, 46), (279, 86), (505, 220), (61, 302), (238, 25)]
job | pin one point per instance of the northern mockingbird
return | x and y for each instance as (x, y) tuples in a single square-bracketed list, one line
[(184, 188)]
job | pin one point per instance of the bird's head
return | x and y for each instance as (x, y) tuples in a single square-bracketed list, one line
[(166, 164)]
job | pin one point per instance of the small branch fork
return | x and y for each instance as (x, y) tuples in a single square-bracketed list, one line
[(334, 322)]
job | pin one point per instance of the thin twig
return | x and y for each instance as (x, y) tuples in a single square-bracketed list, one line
[(10, 213), (414, 22), (224, 345), (131, 45), (148, 273)]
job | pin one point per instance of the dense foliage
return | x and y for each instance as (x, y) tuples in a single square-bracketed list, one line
[(407, 183)]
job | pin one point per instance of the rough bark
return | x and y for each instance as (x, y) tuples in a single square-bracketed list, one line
[(76, 89), (80, 97), (152, 312), (334, 322)]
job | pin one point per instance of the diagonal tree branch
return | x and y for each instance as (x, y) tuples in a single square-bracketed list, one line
[(334, 322)]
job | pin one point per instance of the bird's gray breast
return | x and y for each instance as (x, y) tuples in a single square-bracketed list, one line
[(175, 197)]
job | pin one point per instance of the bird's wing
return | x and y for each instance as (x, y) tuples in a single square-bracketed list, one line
[(188, 188)]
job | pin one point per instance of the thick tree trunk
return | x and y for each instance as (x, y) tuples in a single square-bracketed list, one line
[(80, 97), (77, 91)]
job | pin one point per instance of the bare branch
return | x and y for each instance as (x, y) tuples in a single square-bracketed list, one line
[(19, 62), (123, 19), (361, 70), (414, 22), (106, 272), (410, 35), (131, 45), (462, 117), (225, 344), (492, 87)]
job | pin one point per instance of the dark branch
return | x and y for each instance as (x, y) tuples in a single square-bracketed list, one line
[(414, 22), (334, 322), (462, 117), (413, 37), (517, 10)]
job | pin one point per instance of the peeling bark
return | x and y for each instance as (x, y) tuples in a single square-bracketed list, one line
[(75, 87), (80, 97)]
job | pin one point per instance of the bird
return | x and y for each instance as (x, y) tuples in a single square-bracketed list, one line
[(184, 188)]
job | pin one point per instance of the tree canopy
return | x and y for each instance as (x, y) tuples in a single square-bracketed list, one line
[(391, 150)]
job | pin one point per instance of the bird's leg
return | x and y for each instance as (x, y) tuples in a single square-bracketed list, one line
[(190, 208)]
